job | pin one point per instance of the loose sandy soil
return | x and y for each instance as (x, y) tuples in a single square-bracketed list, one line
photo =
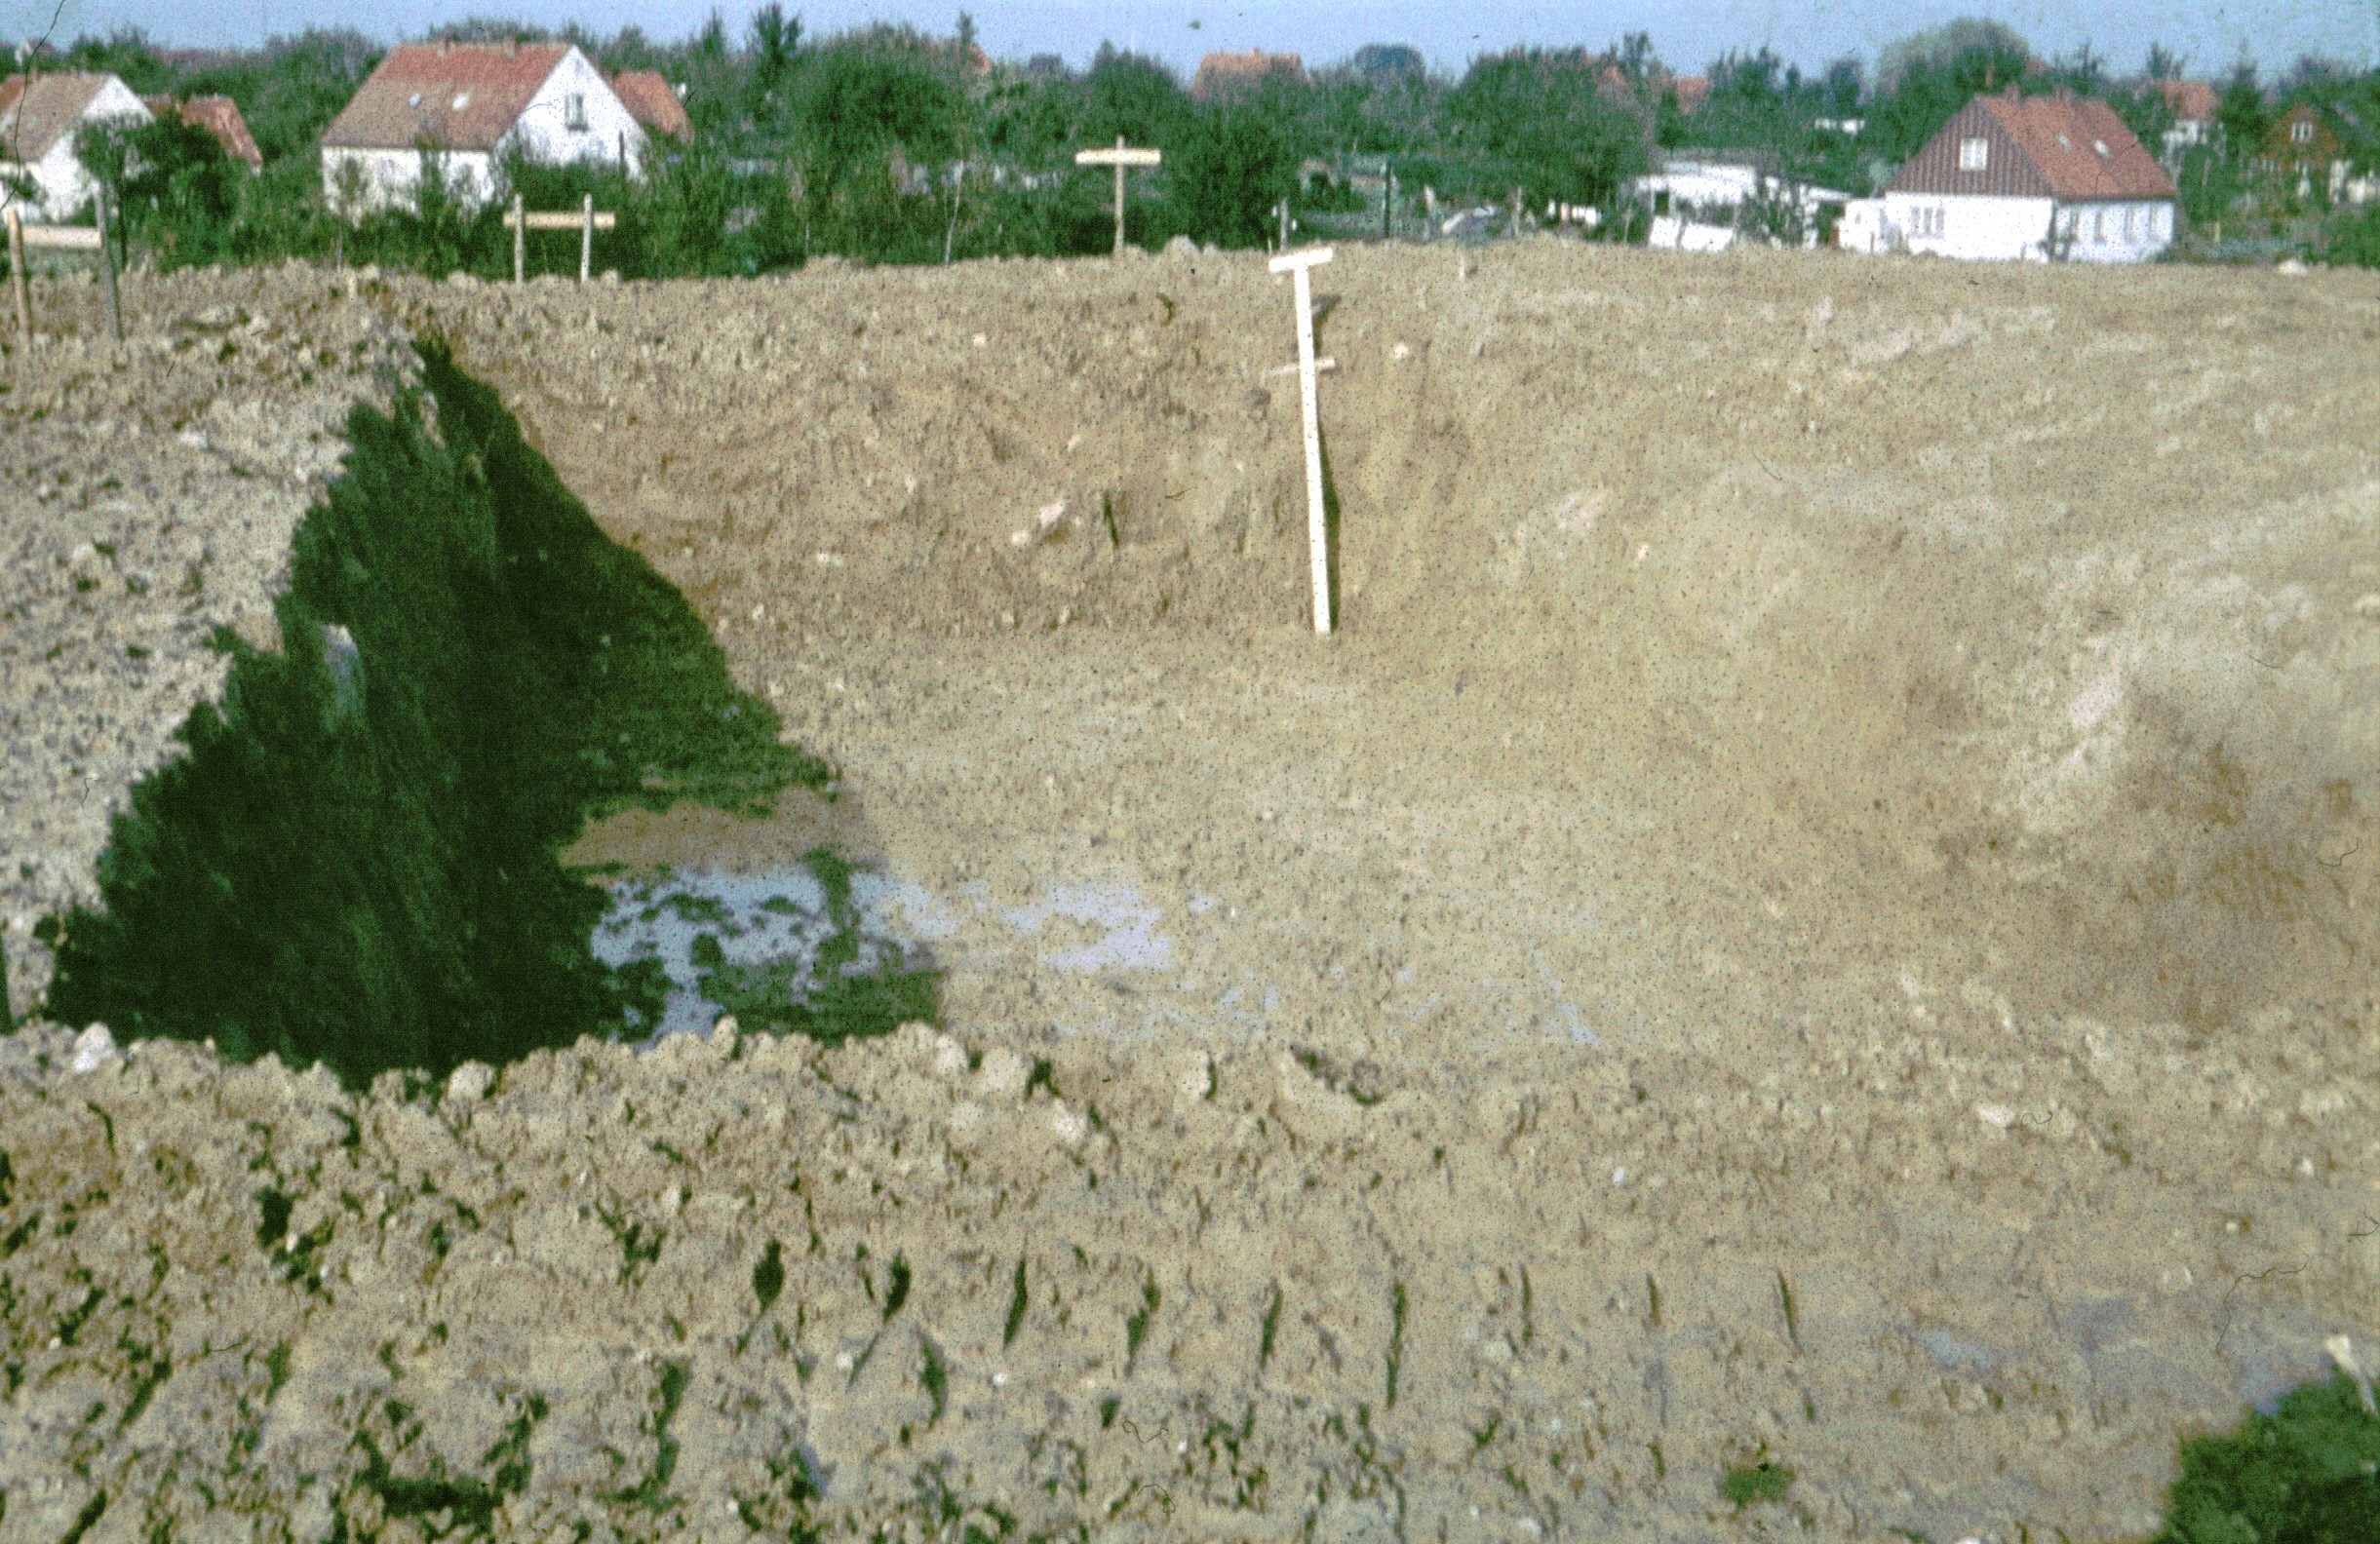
[(1819, 909)]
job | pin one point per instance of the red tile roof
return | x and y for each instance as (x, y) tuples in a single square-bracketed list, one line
[(2081, 147), (458, 96), (2062, 147), (1693, 92), (651, 102), (220, 116), (2191, 101), (32, 121)]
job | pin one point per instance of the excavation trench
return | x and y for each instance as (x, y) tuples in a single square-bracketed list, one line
[(1915, 729), (356, 862)]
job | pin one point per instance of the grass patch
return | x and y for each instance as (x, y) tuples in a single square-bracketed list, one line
[(2307, 1473), (1752, 1483)]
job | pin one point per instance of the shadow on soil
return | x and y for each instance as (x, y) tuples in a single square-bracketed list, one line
[(356, 862)]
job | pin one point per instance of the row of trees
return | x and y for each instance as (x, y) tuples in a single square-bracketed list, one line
[(889, 144)]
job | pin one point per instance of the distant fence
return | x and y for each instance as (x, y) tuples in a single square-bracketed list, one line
[(587, 221)]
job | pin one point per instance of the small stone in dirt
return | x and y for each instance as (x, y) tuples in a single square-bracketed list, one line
[(1002, 1075), (950, 1057), (469, 1083), (94, 1049)]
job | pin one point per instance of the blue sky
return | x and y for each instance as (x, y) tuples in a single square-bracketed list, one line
[(2211, 35)]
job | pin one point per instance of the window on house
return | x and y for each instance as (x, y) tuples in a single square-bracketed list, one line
[(2098, 225), (2127, 224), (1974, 153), (2302, 130), (575, 110)]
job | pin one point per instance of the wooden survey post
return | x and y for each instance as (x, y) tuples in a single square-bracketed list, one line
[(17, 278), (107, 267), (1317, 530), (586, 219), (1121, 157)]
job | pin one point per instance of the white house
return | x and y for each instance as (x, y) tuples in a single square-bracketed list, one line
[(2039, 178), (40, 118), (465, 108), (1702, 205)]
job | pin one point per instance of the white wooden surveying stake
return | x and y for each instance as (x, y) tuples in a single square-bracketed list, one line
[(1120, 157), (1318, 531)]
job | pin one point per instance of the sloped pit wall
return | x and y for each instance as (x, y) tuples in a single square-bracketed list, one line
[(355, 864)]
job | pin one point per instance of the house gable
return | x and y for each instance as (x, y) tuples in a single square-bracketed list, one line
[(2073, 150), (37, 115), (1943, 165)]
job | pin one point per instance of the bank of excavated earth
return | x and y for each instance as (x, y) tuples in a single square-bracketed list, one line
[(1815, 916)]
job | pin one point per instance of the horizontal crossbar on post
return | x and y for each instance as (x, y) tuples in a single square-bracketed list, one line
[(63, 237), (1119, 156), (535, 220)]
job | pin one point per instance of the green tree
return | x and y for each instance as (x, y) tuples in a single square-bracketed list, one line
[(1540, 121), (1234, 162), (125, 53), (768, 73), (291, 88), (875, 115), (1924, 80)]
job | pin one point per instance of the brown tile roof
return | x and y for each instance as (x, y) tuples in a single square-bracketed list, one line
[(651, 102), (1693, 92), (458, 96), (220, 116), (2191, 101), (32, 121)]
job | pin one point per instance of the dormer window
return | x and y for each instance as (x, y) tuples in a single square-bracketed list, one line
[(462, 99), (2099, 145), (2302, 130), (1974, 153), (575, 110), (413, 100)]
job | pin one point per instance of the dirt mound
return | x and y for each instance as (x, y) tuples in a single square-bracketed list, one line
[(746, 1286)]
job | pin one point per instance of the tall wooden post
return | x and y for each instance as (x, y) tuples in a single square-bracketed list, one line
[(107, 270), (520, 240), (1317, 524), (586, 240), (17, 280), (1120, 157)]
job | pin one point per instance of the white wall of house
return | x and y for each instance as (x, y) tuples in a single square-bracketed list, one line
[(574, 118), (1671, 233), (2116, 230), (1967, 225), (359, 182), (61, 185), (2009, 229)]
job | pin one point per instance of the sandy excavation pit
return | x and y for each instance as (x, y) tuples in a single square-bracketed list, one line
[(1819, 912)]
